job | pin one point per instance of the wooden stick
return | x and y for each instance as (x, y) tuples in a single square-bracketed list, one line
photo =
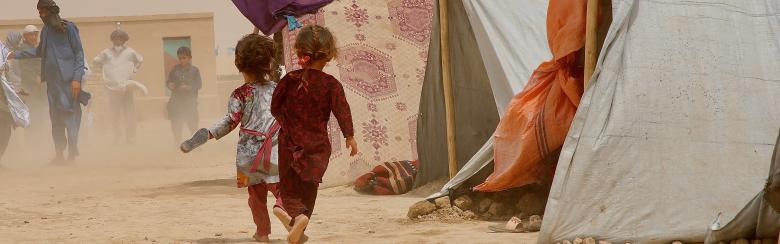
[(447, 87), (591, 39)]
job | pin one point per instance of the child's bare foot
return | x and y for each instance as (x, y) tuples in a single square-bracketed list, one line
[(285, 219), (261, 238), (296, 232)]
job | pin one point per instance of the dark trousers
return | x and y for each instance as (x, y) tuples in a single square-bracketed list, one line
[(178, 122), (298, 195), (182, 110), (65, 127)]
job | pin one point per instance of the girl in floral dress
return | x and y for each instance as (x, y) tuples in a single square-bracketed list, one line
[(250, 108)]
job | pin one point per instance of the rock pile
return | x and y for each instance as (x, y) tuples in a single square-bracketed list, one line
[(746, 241), (499, 206), (440, 210), (590, 240)]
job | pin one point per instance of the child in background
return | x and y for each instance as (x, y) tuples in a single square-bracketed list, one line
[(249, 106), (184, 82), (302, 103)]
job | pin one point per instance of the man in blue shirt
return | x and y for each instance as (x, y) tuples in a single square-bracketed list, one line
[(62, 68)]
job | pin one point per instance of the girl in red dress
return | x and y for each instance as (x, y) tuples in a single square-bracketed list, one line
[(302, 103)]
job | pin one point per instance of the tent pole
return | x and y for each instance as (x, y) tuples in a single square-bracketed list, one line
[(591, 39), (447, 86)]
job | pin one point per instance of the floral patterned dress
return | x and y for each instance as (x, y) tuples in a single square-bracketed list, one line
[(250, 107)]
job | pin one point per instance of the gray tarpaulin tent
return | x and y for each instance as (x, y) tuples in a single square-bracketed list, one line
[(758, 220), (494, 45), (676, 126)]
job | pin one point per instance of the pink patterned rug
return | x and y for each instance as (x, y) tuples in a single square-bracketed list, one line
[(383, 47)]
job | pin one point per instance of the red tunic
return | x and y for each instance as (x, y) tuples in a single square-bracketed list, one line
[(303, 109)]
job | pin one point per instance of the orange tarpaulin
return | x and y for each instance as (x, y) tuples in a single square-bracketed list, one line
[(538, 118)]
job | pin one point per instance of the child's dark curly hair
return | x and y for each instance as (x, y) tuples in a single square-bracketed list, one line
[(254, 56)]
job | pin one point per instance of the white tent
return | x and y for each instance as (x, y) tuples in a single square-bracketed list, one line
[(512, 39), (677, 125)]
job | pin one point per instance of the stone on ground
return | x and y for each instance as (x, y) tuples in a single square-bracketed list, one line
[(531, 204), (421, 208), (463, 202), (443, 202), (496, 209), (484, 205), (534, 224)]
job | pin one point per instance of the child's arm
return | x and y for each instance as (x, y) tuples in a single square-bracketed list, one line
[(231, 120), (277, 101), (197, 83), (169, 82), (340, 107), (220, 129)]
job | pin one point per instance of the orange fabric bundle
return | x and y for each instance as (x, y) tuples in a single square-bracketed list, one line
[(538, 118)]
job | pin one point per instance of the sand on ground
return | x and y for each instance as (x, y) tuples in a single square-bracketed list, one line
[(148, 192)]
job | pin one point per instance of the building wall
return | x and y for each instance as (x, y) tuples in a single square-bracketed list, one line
[(146, 37), (229, 24)]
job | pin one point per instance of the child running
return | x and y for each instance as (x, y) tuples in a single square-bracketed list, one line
[(302, 103), (250, 106)]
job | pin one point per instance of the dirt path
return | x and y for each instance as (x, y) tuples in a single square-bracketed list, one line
[(147, 192)]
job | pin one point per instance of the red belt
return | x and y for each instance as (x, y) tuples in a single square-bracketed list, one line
[(264, 153)]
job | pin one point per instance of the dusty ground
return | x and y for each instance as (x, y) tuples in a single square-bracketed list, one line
[(148, 192)]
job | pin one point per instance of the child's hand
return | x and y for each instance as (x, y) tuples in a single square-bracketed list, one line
[(351, 144), (172, 86), (199, 138)]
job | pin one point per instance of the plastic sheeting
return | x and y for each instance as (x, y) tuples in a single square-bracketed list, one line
[(676, 126), (19, 111), (758, 220), (535, 124), (269, 16), (475, 113), (512, 42)]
